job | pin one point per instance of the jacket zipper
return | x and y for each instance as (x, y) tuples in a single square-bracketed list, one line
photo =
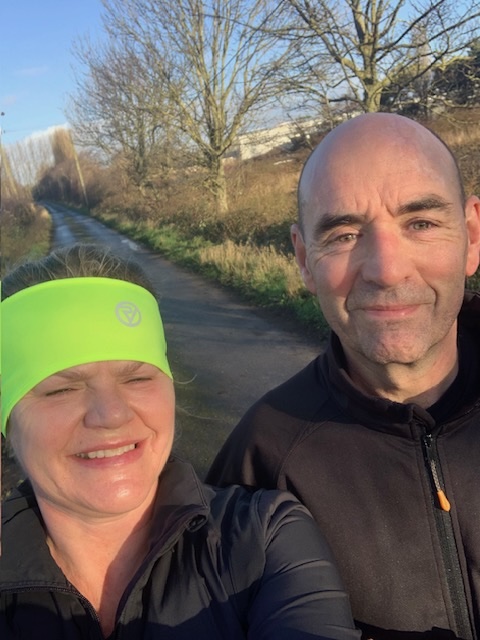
[(448, 545), (431, 459)]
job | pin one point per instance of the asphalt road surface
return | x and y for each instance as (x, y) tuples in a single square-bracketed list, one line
[(224, 354)]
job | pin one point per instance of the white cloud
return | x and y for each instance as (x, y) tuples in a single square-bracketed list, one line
[(32, 72), (10, 100)]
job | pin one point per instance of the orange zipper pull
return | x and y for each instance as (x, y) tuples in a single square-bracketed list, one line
[(443, 500)]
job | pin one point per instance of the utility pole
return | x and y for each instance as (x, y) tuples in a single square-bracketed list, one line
[(1, 161), (78, 168)]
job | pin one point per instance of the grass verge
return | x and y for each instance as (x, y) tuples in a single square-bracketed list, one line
[(26, 230), (262, 275)]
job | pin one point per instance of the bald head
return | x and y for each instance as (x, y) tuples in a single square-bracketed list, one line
[(376, 145)]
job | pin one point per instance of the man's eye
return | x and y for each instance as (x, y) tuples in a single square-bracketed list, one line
[(141, 379), (344, 238), (420, 225)]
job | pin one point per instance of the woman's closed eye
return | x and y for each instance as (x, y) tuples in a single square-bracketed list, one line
[(139, 379), (61, 391)]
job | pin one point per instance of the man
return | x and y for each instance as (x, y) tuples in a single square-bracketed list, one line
[(380, 436)]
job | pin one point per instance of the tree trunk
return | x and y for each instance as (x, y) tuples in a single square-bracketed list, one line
[(219, 187)]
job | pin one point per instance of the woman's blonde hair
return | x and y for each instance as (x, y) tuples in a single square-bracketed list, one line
[(75, 261)]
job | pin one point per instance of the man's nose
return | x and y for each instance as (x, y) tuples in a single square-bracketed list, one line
[(107, 409), (387, 259)]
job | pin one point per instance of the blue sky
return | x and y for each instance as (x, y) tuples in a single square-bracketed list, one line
[(36, 75)]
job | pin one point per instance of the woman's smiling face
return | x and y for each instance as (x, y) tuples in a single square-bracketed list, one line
[(94, 438)]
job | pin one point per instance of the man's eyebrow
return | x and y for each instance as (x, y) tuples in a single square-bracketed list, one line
[(424, 204), (330, 221)]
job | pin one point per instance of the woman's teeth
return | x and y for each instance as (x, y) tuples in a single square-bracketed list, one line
[(106, 453)]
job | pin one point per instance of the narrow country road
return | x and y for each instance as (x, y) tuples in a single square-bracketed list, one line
[(224, 353)]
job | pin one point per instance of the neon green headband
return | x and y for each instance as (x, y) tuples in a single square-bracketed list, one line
[(64, 323)]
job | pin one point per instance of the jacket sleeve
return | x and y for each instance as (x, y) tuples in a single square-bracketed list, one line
[(254, 453), (251, 454), (300, 596)]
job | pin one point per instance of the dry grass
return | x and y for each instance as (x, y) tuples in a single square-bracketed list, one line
[(460, 129), (249, 265), (26, 231), (266, 186)]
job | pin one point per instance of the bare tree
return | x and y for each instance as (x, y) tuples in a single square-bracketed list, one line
[(9, 187), (26, 158), (380, 45), (216, 61), (65, 155), (120, 106)]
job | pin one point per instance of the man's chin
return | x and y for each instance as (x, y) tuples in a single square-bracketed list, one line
[(393, 352)]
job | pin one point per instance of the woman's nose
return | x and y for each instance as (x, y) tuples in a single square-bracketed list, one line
[(107, 409)]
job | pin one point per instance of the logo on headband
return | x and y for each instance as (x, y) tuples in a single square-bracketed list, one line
[(128, 314)]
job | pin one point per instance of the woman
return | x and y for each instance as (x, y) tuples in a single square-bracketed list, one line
[(111, 537)]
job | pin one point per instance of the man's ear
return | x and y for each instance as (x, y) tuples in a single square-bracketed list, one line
[(301, 257), (472, 216)]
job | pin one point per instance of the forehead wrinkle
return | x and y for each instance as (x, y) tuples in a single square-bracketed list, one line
[(79, 373), (330, 220), (343, 207), (361, 135)]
